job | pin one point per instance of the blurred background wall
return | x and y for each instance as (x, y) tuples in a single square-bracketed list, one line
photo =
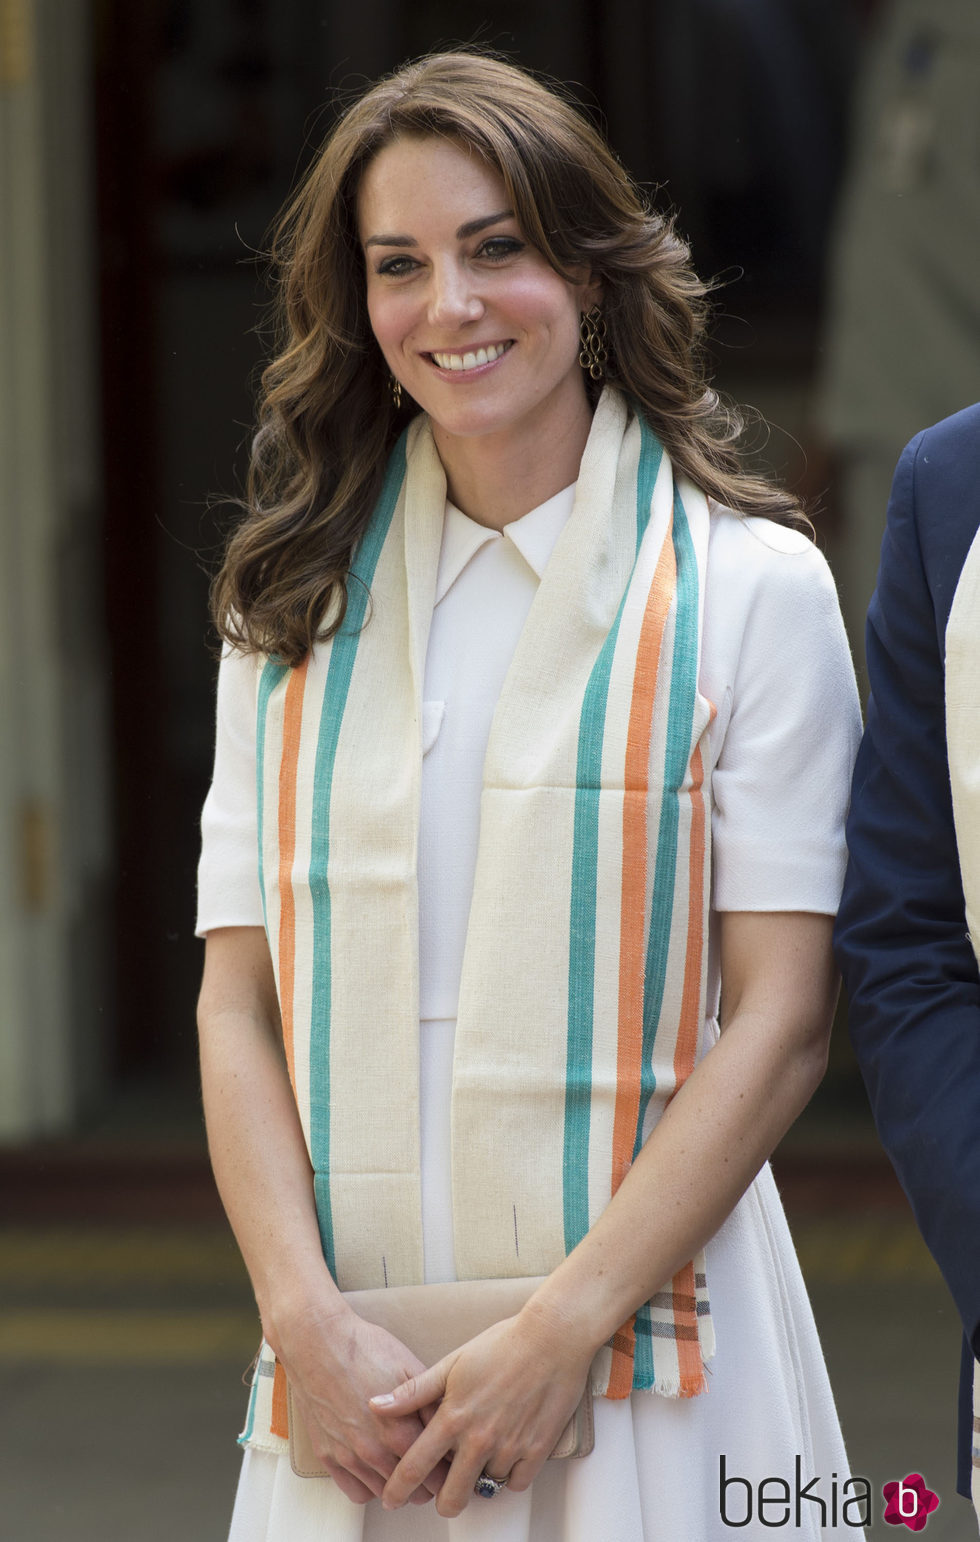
[(145, 146)]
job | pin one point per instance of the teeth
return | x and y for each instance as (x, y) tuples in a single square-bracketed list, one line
[(464, 361)]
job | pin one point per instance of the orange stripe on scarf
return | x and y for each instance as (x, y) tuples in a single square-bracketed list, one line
[(686, 1048), (689, 1363), (685, 1051), (279, 1423), (632, 954)]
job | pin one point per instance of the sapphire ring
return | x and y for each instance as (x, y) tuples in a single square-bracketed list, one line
[(488, 1487)]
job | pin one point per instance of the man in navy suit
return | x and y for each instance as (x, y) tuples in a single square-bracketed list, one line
[(908, 962)]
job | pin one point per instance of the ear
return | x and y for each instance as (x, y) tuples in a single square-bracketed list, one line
[(590, 294)]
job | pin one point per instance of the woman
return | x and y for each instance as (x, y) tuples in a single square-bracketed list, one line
[(496, 688)]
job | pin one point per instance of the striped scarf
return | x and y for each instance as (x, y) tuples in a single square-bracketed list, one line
[(583, 983)]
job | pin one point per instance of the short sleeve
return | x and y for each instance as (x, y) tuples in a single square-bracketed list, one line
[(776, 655), (228, 873)]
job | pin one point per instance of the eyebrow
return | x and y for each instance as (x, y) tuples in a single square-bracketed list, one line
[(471, 228)]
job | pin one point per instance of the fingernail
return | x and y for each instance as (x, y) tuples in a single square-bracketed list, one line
[(383, 1399)]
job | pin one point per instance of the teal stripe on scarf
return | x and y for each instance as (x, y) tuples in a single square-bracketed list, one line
[(339, 671), (585, 864), (680, 715), (651, 454), (271, 675), (253, 1398)]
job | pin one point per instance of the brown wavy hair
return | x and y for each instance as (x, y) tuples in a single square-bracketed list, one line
[(327, 420)]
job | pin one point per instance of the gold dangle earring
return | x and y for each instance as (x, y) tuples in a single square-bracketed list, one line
[(592, 331), (395, 387)]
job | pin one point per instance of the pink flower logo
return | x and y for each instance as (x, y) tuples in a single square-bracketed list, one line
[(909, 1503)]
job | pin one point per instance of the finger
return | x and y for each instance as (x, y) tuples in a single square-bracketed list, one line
[(437, 1478), (416, 1465), (355, 1490), (414, 1394), (524, 1474), (402, 1436), (366, 1475), (370, 1470), (457, 1491)]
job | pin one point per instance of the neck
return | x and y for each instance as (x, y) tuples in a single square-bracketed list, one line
[(495, 479)]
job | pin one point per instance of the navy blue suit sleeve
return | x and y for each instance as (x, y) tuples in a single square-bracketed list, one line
[(908, 966)]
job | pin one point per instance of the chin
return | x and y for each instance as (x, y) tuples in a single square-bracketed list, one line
[(471, 422)]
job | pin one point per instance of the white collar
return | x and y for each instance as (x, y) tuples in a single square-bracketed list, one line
[(534, 535)]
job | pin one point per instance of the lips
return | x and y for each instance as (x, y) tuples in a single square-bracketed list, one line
[(473, 358)]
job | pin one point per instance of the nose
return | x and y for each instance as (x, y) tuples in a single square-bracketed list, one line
[(453, 297)]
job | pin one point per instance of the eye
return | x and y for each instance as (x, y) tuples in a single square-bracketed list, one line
[(395, 267), (497, 248)]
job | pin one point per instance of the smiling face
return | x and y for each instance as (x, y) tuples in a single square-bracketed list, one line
[(473, 322)]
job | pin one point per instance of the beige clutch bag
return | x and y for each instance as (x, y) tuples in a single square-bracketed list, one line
[(432, 1320)]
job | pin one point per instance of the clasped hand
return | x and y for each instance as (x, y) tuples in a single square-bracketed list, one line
[(498, 1404), (334, 1367)]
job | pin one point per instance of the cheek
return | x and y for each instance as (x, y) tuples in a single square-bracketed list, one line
[(378, 317), (550, 308), (389, 317)]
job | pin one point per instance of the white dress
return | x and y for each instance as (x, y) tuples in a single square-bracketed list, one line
[(776, 666)]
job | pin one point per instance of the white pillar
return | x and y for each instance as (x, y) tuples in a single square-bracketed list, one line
[(53, 835)]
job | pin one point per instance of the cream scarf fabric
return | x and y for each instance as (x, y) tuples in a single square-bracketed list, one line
[(582, 995)]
